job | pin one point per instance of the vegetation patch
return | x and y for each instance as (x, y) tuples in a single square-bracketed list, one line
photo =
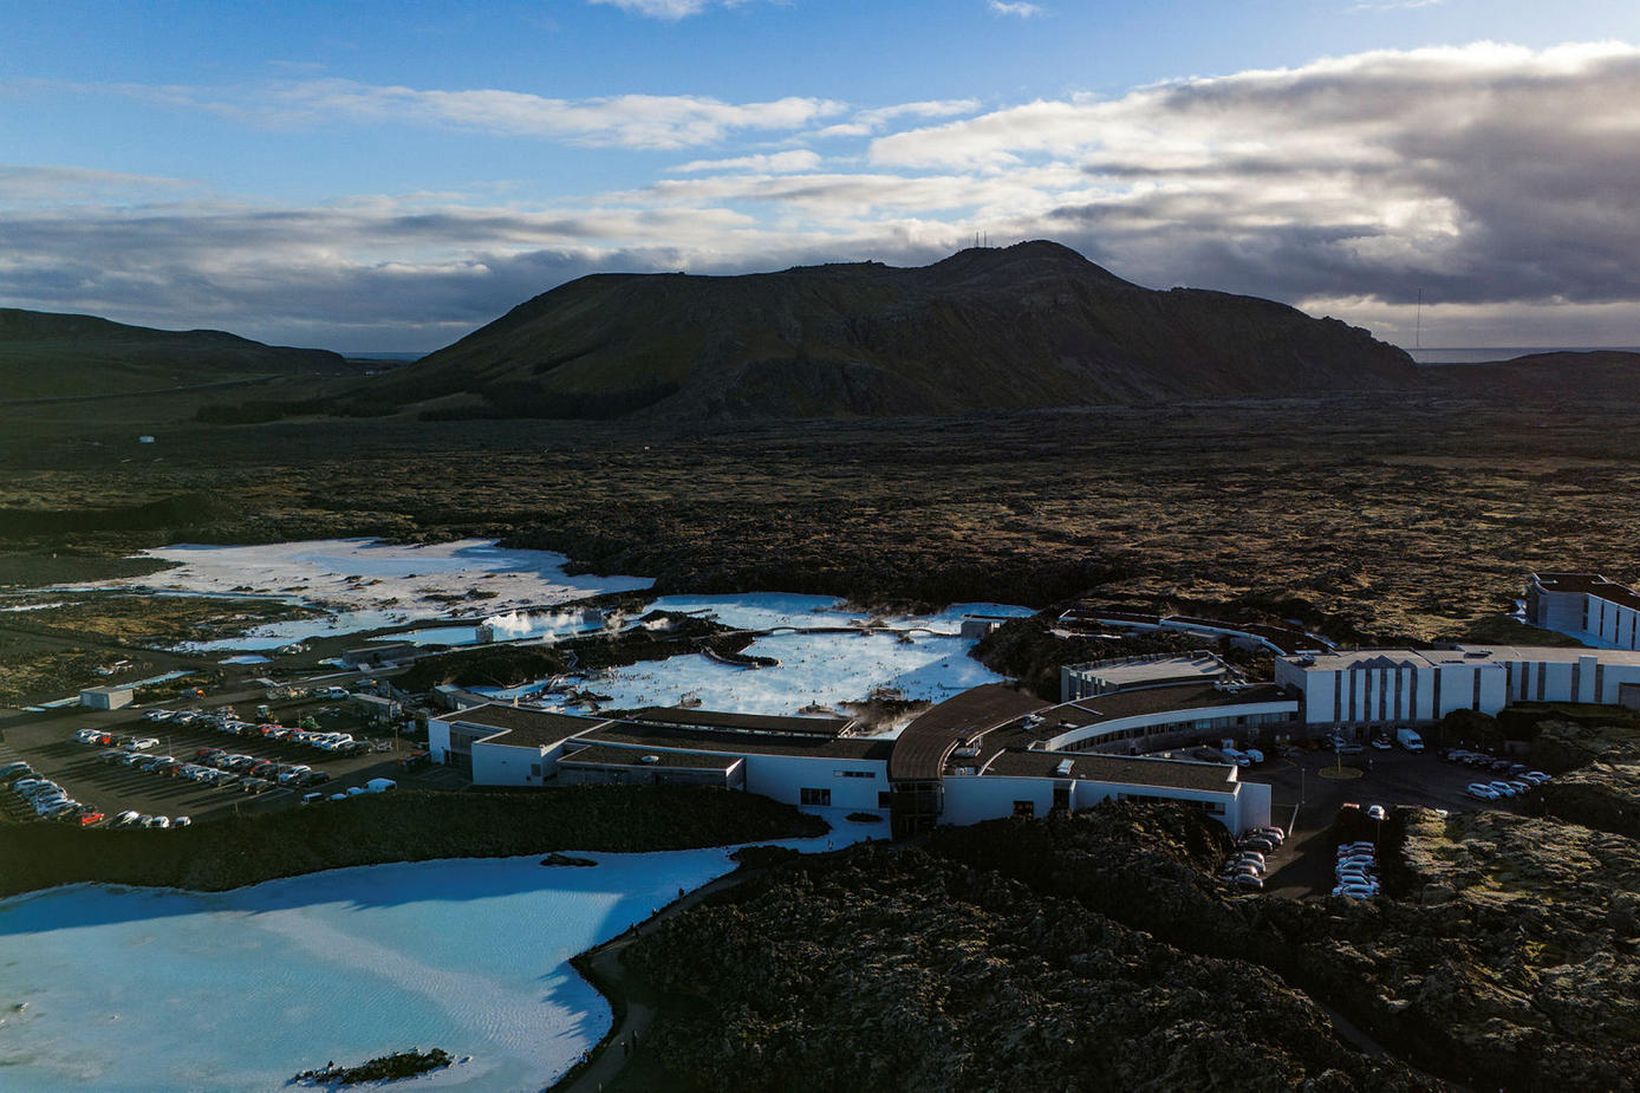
[(404, 825), (383, 1068)]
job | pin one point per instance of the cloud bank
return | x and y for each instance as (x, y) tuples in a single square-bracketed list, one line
[(1497, 180)]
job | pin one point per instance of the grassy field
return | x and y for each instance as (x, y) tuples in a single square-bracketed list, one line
[(1412, 519), (405, 825)]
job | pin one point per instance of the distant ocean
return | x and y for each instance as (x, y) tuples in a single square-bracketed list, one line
[(1480, 354), (385, 356)]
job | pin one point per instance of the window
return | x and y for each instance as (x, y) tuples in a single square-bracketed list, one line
[(1025, 809), (854, 773), (811, 796), (885, 799), (535, 770)]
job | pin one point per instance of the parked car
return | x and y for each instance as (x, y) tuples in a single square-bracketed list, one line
[(143, 743), (1381, 743), (1520, 788), (126, 819), (1536, 777), (1502, 789), (182, 821), (1255, 884), (1376, 812), (1481, 791)]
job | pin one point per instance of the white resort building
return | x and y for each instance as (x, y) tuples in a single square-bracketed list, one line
[(1390, 686), (987, 753), (1585, 606)]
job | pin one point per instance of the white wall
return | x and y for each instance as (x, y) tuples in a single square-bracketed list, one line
[(973, 798), (784, 777), (503, 764), (438, 739)]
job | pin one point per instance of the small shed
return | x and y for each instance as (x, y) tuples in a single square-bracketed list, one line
[(107, 698)]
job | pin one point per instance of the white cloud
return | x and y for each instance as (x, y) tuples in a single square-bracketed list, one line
[(668, 10), (1020, 9), (775, 163), (630, 121), (1499, 180), (867, 122)]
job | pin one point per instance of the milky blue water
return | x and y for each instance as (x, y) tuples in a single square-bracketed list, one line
[(159, 989), (146, 989)]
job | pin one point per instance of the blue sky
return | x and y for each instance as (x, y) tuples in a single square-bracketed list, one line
[(389, 175)]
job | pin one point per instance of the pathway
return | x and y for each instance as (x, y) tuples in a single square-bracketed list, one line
[(603, 968)]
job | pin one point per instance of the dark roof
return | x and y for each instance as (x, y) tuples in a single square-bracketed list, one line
[(919, 753), (1077, 614), (745, 722), (1145, 700), (1065, 717), (524, 727), (643, 735), (602, 755), (1172, 773), (1592, 584)]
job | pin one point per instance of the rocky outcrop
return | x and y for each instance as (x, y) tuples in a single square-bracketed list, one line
[(1505, 957), (906, 970)]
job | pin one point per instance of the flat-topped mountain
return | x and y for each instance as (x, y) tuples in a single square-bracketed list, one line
[(44, 355), (1032, 325)]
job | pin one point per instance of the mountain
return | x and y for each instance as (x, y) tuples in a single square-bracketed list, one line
[(1032, 325), (47, 355), (1553, 376)]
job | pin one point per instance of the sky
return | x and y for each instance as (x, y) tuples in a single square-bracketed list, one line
[(387, 175)]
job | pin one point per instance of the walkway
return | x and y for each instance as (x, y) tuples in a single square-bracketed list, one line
[(603, 968)]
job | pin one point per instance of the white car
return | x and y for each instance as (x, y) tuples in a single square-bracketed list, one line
[(1502, 789), (158, 715), (1481, 791), (143, 743), (182, 821), (1536, 777), (1376, 812), (125, 819)]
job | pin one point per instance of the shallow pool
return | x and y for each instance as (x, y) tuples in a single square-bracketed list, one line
[(151, 988)]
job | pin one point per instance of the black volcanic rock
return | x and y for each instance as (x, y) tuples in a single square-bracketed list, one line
[(1033, 325), (46, 355)]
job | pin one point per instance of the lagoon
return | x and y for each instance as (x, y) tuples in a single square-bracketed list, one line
[(130, 988)]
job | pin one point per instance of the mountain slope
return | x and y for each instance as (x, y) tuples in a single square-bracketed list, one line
[(44, 355), (1027, 326)]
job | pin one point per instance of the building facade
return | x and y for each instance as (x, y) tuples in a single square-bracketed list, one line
[(1402, 686), (1585, 606)]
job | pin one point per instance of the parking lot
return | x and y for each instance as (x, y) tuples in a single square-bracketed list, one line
[(46, 742), (1304, 864)]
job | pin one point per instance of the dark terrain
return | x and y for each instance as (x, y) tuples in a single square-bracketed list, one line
[(1032, 325), (1097, 952), (1370, 517), (46, 355)]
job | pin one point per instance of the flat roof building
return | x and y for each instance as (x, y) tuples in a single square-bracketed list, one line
[(1389, 686), (1585, 606), (107, 698), (1130, 673)]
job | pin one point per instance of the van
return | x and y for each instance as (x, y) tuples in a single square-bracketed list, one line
[(1409, 739)]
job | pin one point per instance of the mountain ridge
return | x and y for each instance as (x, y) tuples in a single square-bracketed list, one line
[(1027, 326), (47, 354)]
